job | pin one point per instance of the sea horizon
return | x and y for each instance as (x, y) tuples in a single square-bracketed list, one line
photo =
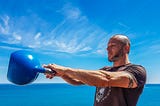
[(63, 94), (64, 83)]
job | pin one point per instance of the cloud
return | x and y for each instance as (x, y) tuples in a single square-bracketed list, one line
[(4, 28), (123, 25), (77, 39), (74, 34), (155, 47), (5, 32), (70, 12), (37, 36)]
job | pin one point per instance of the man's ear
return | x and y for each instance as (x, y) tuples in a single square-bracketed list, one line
[(127, 49)]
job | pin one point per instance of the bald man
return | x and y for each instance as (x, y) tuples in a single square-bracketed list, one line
[(117, 85)]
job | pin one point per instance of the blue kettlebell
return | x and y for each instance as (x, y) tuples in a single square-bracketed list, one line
[(24, 68)]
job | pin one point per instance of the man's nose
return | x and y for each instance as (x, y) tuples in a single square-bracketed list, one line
[(107, 48)]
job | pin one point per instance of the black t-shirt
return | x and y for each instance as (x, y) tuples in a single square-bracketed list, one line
[(116, 96)]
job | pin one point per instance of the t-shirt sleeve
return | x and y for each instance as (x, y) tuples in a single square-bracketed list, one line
[(138, 73)]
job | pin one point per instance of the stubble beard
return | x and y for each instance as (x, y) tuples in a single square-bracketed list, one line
[(116, 57)]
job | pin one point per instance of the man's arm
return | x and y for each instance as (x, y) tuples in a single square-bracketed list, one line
[(71, 80), (121, 79), (99, 78), (102, 78)]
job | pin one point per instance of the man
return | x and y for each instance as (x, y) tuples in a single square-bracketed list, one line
[(119, 85)]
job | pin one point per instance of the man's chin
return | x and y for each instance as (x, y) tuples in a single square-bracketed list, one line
[(110, 60), (113, 59)]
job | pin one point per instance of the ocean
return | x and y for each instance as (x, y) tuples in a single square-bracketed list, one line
[(64, 95)]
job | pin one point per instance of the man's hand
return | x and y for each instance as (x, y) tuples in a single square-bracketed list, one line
[(50, 76), (59, 70)]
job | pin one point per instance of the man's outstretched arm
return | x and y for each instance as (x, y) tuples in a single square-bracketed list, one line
[(99, 78)]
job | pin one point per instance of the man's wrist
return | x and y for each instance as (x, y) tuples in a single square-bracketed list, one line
[(66, 71)]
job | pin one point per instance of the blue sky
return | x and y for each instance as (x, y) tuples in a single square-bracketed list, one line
[(74, 33)]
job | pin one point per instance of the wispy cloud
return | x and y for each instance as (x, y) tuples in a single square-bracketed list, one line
[(155, 47), (6, 34), (4, 28), (73, 34), (70, 12)]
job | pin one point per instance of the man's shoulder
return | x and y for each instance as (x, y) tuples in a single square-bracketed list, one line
[(130, 66), (127, 67), (136, 69), (137, 66)]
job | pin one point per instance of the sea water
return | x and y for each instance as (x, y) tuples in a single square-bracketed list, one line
[(63, 95)]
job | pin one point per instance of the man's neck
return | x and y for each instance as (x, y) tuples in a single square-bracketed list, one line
[(122, 61)]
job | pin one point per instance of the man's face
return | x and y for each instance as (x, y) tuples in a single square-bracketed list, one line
[(115, 50)]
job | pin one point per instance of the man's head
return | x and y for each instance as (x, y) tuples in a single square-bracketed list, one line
[(118, 47)]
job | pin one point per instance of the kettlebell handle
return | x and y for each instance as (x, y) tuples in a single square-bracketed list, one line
[(45, 70)]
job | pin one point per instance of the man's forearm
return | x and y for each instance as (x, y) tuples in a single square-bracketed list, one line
[(71, 81), (93, 78)]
